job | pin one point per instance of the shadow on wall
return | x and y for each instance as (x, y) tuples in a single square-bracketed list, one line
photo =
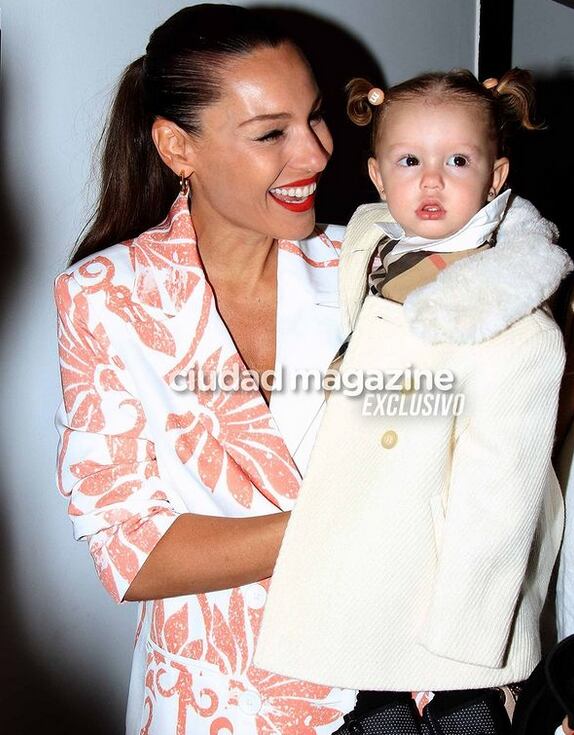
[(336, 56), (36, 693), (543, 161), (542, 165)]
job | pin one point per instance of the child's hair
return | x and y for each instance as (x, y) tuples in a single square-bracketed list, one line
[(508, 102)]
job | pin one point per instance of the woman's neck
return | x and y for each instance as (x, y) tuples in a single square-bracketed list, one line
[(232, 257)]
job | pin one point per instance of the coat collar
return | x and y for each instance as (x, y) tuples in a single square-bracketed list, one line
[(473, 299)]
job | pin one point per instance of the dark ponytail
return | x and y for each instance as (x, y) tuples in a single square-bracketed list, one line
[(176, 79), (136, 187)]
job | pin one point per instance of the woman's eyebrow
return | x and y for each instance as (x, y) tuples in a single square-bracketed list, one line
[(268, 116), (278, 115)]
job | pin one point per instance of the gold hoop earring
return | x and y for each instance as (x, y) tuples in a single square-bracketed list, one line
[(184, 183)]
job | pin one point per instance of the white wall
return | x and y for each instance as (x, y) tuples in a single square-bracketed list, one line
[(406, 36), (66, 646), (543, 35)]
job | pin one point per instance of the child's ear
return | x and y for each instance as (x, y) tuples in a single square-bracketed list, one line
[(500, 173), (375, 176)]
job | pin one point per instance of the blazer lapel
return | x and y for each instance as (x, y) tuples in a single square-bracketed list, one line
[(309, 334), (174, 299)]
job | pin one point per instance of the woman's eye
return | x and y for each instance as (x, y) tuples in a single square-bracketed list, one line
[(317, 116), (408, 160), (271, 135), (457, 160)]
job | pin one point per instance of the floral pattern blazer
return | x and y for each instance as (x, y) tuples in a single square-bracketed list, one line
[(135, 453)]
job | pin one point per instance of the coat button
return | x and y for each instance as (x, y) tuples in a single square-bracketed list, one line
[(389, 439), (250, 702)]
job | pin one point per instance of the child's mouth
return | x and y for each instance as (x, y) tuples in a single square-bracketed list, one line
[(430, 211)]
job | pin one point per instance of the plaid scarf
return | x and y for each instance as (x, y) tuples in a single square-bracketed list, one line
[(411, 270)]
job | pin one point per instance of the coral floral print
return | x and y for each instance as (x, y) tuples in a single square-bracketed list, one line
[(108, 470)]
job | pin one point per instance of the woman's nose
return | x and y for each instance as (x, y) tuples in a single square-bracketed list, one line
[(314, 151)]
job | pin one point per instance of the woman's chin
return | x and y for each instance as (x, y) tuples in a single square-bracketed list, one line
[(298, 226)]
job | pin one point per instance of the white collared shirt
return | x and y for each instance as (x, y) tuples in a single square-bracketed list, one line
[(474, 234)]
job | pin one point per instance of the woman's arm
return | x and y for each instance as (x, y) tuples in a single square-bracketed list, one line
[(142, 545), (206, 553)]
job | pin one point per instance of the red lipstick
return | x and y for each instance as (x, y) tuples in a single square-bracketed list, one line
[(302, 182), (299, 205), (303, 206)]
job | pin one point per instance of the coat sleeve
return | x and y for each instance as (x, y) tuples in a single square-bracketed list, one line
[(565, 582), (500, 468), (106, 464)]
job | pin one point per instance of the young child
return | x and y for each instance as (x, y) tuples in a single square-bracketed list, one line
[(425, 541)]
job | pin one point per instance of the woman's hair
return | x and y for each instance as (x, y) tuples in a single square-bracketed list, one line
[(508, 103), (179, 76)]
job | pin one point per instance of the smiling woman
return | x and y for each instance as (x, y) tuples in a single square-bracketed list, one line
[(178, 495), (262, 143)]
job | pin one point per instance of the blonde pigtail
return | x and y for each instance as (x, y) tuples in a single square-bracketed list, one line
[(359, 110), (515, 91)]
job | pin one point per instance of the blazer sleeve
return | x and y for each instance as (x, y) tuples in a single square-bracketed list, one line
[(500, 468), (106, 463)]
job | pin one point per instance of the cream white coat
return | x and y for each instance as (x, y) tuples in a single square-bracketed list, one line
[(420, 549)]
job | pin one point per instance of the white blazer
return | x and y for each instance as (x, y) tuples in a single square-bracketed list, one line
[(135, 454), (420, 550)]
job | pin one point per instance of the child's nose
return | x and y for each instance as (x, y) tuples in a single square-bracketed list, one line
[(431, 179)]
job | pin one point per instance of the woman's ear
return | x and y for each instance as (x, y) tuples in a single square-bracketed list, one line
[(500, 173), (173, 145), (375, 176)]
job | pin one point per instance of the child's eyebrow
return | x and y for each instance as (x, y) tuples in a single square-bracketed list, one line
[(411, 146)]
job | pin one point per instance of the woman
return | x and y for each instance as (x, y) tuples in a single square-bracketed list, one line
[(178, 492)]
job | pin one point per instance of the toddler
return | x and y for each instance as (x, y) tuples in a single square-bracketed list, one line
[(423, 537)]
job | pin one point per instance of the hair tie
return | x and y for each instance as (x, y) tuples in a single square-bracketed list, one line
[(376, 96), (490, 83)]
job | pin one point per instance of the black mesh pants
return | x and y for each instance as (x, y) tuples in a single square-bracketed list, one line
[(467, 712)]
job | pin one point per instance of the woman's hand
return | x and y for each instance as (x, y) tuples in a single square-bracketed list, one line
[(205, 553)]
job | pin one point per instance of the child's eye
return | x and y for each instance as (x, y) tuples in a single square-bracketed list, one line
[(271, 136), (457, 160), (408, 160)]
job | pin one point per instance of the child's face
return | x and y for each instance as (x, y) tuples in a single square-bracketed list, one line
[(435, 165)]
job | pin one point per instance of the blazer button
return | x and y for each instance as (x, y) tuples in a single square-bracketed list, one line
[(255, 596), (389, 439)]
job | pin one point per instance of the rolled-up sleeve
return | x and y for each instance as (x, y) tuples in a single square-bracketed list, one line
[(106, 462)]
